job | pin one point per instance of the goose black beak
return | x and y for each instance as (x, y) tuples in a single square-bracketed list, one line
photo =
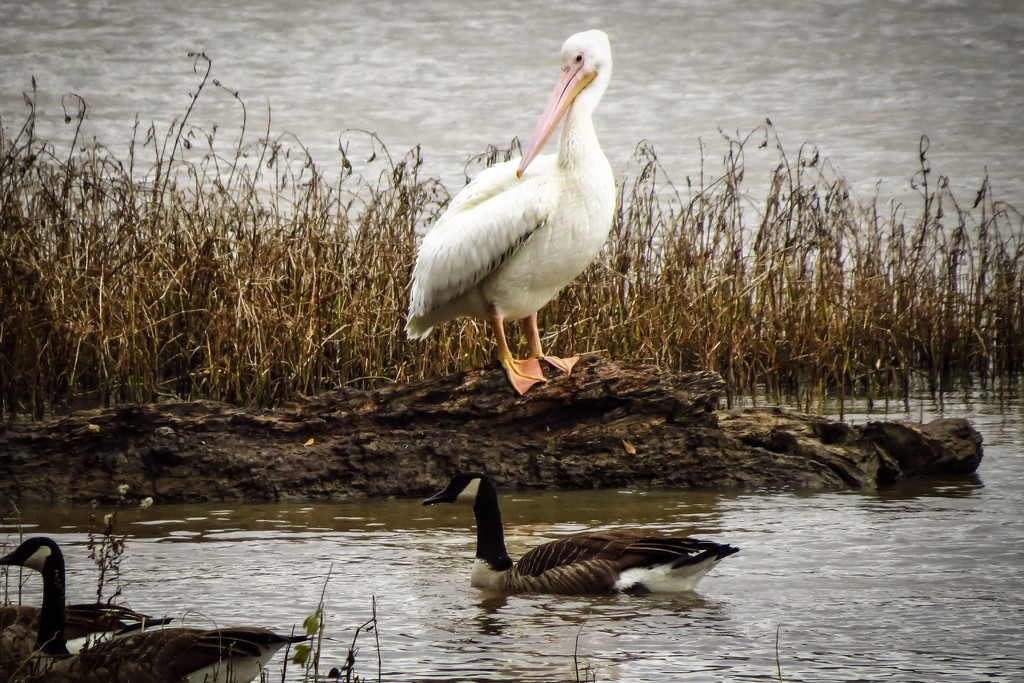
[(436, 498)]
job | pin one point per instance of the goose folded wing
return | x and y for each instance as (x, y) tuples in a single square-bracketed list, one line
[(678, 550), (83, 619), (601, 545)]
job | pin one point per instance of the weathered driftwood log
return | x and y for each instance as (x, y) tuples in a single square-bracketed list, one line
[(610, 424)]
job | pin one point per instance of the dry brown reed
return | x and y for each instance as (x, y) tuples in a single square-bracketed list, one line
[(249, 277), (810, 291)]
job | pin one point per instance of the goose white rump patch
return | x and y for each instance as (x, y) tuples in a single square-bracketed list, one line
[(661, 578)]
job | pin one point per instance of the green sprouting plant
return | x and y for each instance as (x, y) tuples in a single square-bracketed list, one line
[(308, 655)]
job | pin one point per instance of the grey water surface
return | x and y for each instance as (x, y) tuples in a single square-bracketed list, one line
[(860, 80)]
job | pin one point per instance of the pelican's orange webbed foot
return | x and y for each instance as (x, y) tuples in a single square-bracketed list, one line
[(523, 374), (563, 364)]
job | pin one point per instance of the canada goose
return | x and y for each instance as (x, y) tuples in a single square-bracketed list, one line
[(594, 562), (229, 655)]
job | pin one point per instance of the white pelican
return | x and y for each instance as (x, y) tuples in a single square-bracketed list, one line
[(522, 230)]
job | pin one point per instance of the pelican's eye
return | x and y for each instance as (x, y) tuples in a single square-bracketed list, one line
[(579, 58)]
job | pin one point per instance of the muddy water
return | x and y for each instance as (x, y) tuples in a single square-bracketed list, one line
[(918, 583)]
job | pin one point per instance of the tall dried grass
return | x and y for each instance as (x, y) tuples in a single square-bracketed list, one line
[(809, 291), (249, 277)]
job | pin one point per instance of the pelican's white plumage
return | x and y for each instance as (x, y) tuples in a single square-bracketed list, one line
[(522, 230)]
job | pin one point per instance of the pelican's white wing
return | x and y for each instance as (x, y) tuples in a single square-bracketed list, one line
[(483, 226)]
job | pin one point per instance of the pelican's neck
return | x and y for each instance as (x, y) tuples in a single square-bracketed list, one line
[(490, 537), (578, 144), (50, 637)]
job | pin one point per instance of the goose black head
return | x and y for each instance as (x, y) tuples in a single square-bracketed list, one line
[(43, 555), (463, 488), (36, 553), (476, 489)]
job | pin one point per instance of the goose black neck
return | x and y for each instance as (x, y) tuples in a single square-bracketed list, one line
[(50, 637), (490, 536)]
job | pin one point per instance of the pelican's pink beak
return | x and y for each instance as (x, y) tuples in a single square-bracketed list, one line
[(573, 80)]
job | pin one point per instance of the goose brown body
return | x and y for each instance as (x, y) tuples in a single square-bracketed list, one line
[(594, 562), (172, 654), (621, 560)]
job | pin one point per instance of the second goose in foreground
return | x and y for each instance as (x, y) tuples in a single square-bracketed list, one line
[(162, 655), (594, 562)]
